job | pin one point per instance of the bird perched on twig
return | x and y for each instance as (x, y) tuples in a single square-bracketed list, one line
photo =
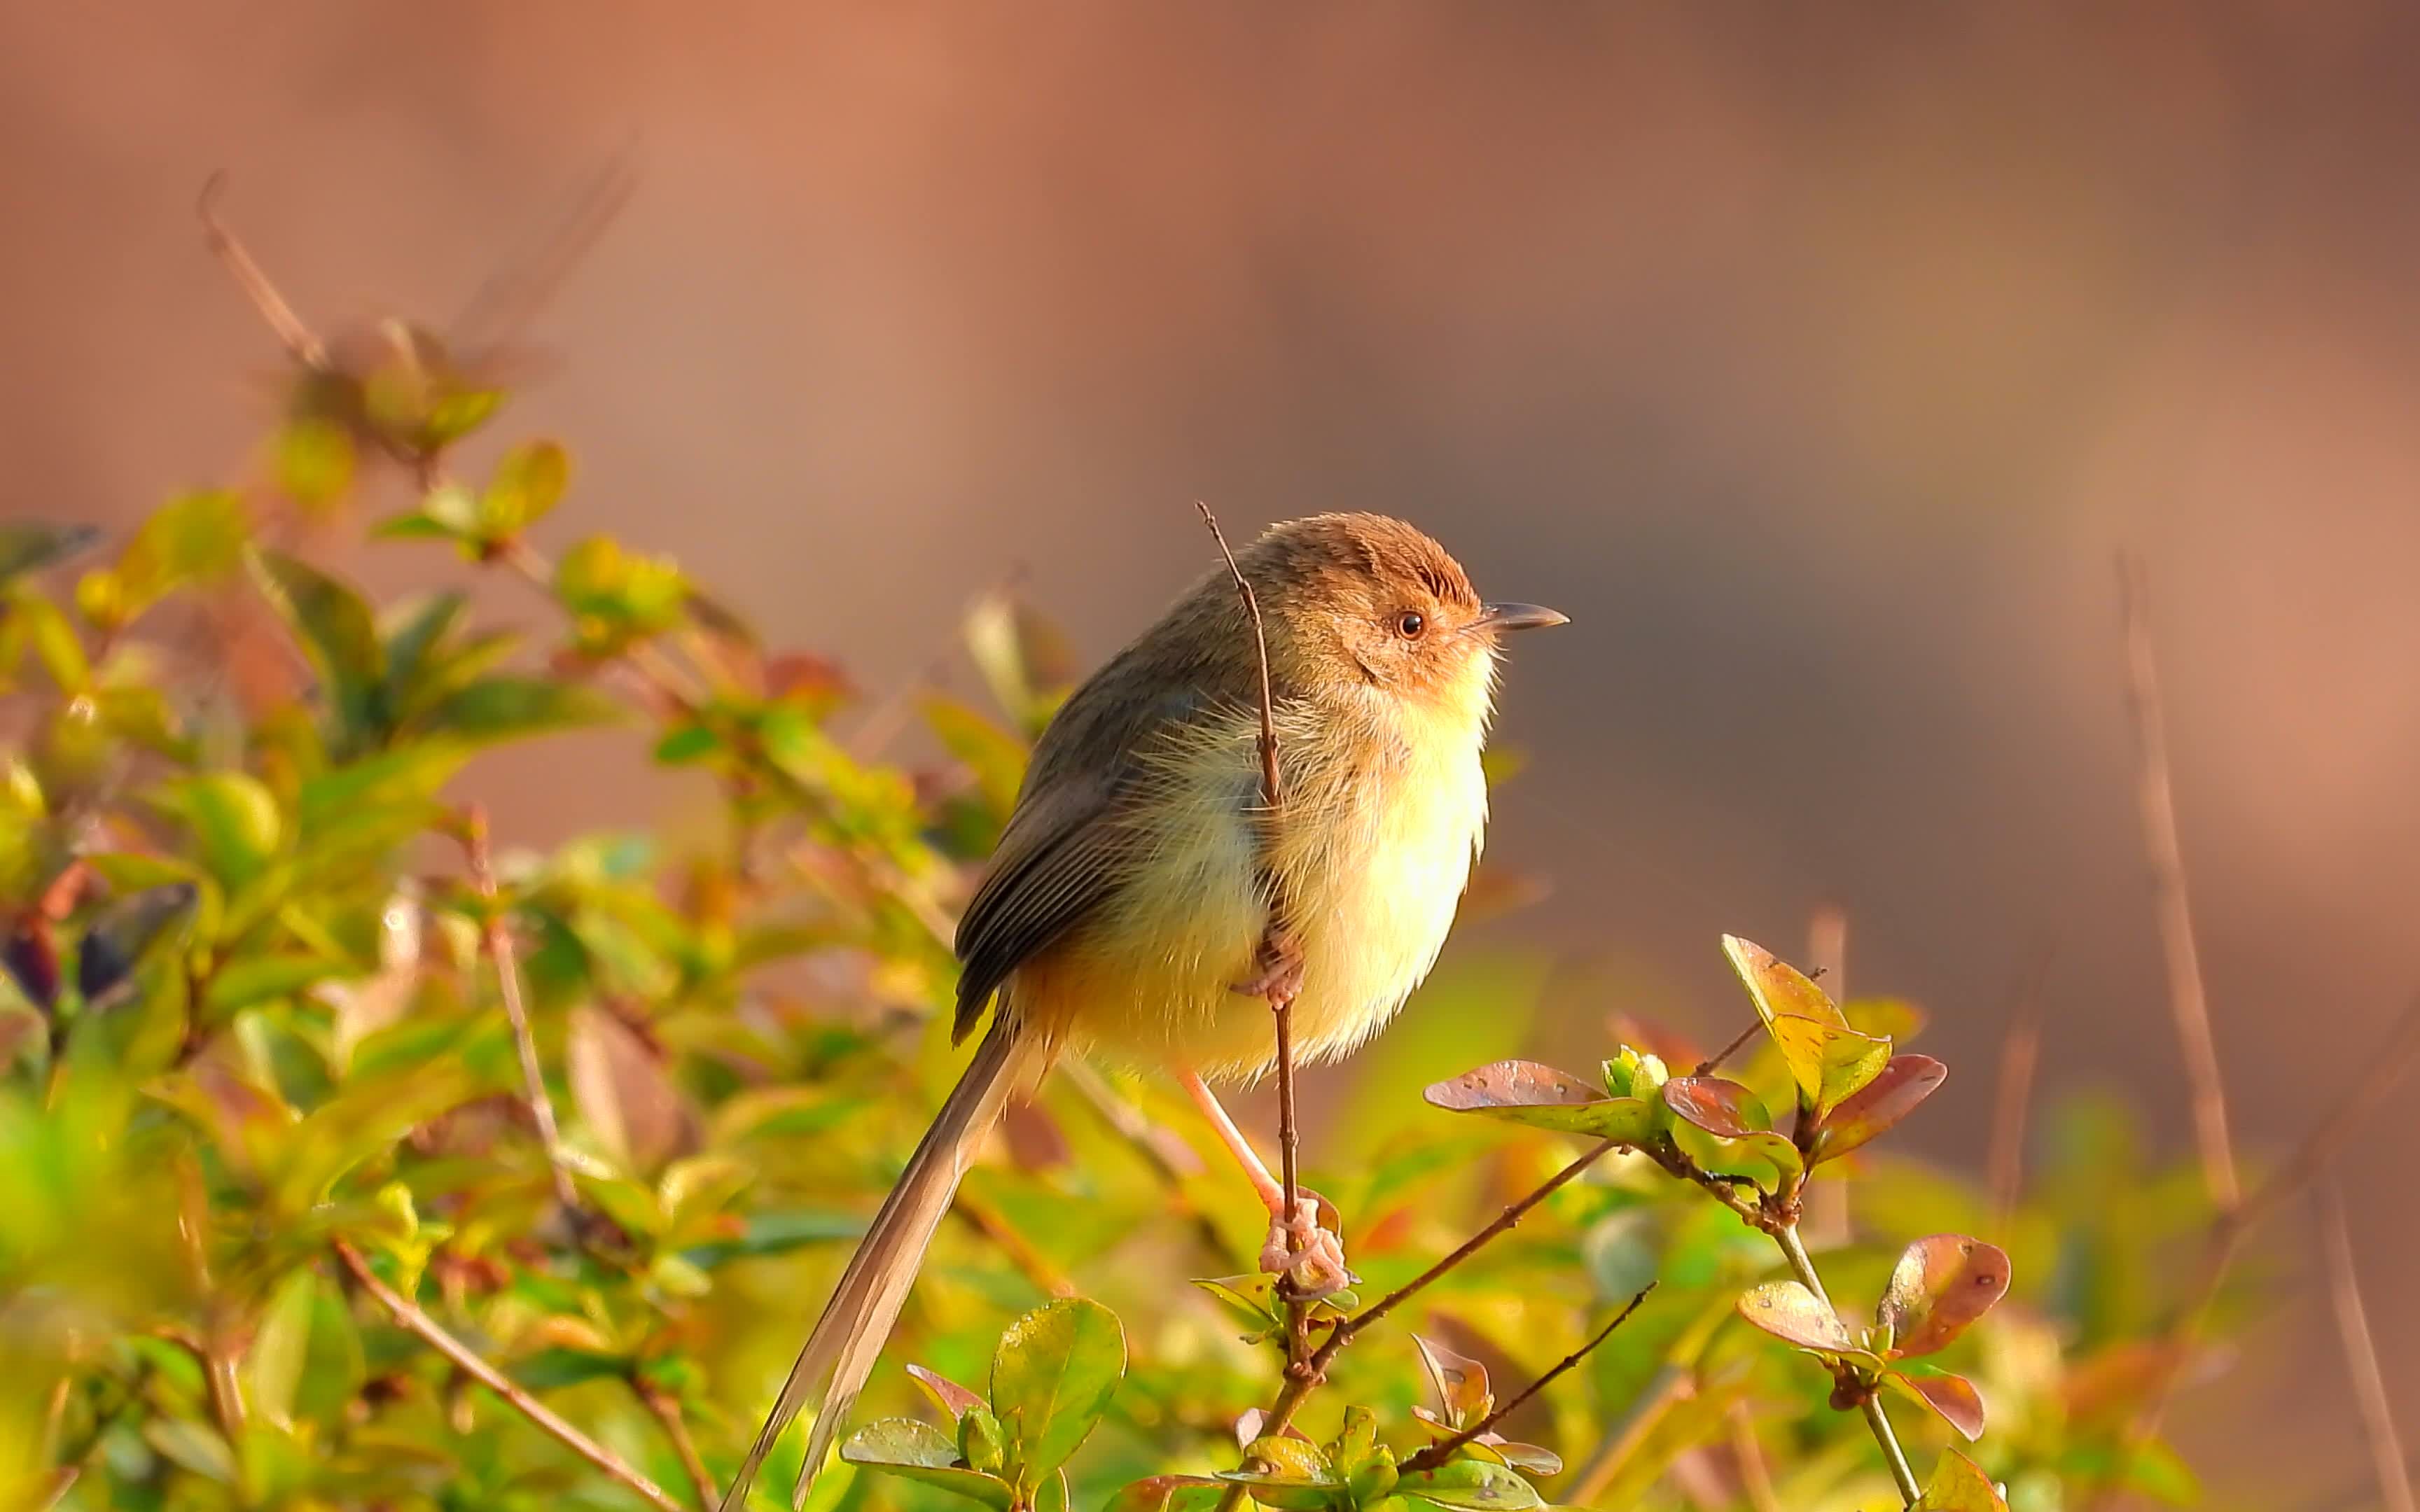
[(1129, 908)]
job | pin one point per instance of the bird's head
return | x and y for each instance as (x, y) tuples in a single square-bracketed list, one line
[(1364, 601)]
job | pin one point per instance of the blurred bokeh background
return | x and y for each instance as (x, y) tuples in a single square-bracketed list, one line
[(1817, 361)]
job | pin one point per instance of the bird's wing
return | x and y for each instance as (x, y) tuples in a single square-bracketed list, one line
[(1068, 844)]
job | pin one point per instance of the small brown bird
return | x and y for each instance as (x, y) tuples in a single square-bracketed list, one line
[(1132, 891)]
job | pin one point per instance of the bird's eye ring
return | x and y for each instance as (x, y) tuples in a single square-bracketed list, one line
[(1410, 624)]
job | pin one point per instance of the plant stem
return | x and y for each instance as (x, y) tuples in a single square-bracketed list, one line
[(407, 1315), (2187, 1002), (2361, 1355), (497, 936), (667, 1411), (1803, 1267), (1438, 1453)]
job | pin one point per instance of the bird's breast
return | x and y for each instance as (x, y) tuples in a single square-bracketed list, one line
[(1383, 818)]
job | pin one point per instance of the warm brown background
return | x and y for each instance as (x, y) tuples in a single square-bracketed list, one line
[(1816, 359)]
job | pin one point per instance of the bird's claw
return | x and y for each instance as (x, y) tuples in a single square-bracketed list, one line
[(1307, 1252), (1277, 970)]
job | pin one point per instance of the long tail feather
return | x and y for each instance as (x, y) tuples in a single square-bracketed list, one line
[(848, 1338)]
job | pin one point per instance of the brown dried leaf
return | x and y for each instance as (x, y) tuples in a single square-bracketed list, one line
[(1904, 1083), (1952, 1398)]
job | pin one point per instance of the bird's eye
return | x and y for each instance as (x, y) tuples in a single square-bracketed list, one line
[(1410, 624)]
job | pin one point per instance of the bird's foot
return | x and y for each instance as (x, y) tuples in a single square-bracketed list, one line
[(1306, 1251), (1277, 969)]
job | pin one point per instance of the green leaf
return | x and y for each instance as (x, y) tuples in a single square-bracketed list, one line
[(1790, 1313), (198, 537), (248, 979), (414, 638), (1904, 1084), (1052, 1378), (337, 631), (529, 481), (1829, 1064), (1024, 658), (509, 707), (232, 818), (273, 1366), (1940, 1285), (1476, 1484), (919, 1452), (1958, 1485), (1952, 1398), (315, 461), (55, 643), (995, 757), (688, 742), (29, 546), (1541, 1097), (548, 1369)]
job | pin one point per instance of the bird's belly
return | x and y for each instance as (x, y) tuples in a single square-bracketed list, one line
[(1370, 900)]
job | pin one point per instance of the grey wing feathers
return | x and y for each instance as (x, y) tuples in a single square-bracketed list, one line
[(1066, 844)]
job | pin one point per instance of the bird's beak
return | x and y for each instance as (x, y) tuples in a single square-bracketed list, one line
[(1502, 617)]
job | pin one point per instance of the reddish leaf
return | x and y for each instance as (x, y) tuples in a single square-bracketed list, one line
[(1794, 1314), (1953, 1398), (1461, 1383), (1511, 1084), (1940, 1285), (947, 1395), (1904, 1083), (1724, 1108)]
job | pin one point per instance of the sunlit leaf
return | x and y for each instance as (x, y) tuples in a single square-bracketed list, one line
[(528, 483), (1052, 1378), (1958, 1485), (1022, 655), (1474, 1485), (920, 1452), (337, 631), (995, 757), (1779, 988), (1828, 1063), (1461, 1383), (1940, 1285), (274, 1366), (1903, 1085), (1952, 1398), (1790, 1312), (1541, 1097), (233, 818)]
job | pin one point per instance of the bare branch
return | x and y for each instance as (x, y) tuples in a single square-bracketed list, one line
[(1438, 1453), (2188, 1003), (2019, 1053), (407, 1315), (667, 1411), (1707, 1066), (300, 340), (1756, 1478), (2360, 1354), (497, 936)]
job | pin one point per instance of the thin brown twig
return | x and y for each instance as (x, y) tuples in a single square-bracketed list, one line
[(667, 1411), (2387, 1067), (300, 340), (1707, 1066), (2188, 1001), (496, 935), (1275, 937), (2361, 1353), (2020, 1054), (1443, 1450), (1756, 1477), (1297, 1386), (408, 1317)]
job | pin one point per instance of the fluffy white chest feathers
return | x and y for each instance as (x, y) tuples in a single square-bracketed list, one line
[(1386, 805)]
